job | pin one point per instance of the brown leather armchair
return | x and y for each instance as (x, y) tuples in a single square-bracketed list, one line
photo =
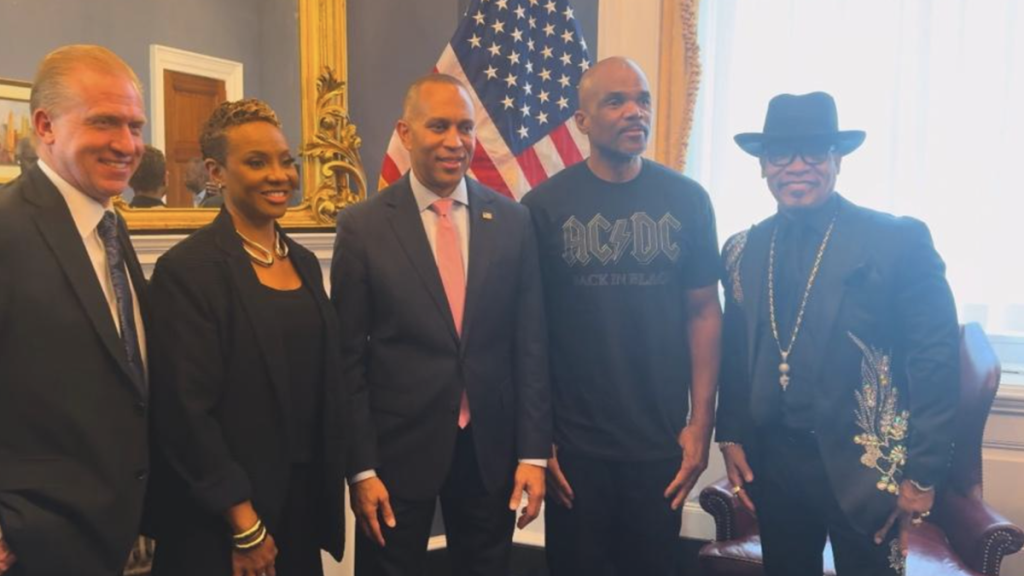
[(963, 535)]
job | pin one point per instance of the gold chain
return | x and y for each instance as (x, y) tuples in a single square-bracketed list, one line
[(784, 366)]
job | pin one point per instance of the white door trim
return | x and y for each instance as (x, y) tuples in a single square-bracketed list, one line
[(165, 58)]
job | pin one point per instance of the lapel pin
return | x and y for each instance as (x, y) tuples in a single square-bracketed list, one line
[(487, 215)]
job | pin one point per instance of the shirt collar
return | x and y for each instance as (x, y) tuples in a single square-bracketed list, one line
[(425, 196), (85, 211)]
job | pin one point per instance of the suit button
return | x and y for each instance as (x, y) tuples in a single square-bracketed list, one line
[(140, 407), (141, 475)]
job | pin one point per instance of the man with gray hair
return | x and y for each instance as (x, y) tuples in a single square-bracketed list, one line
[(73, 389)]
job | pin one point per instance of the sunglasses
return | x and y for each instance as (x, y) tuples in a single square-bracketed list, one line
[(812, 155)]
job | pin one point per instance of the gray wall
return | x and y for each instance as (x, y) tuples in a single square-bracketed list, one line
[(393, 42), (261, 34)]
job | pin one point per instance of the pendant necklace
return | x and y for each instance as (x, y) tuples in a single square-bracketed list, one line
[(784, 352), (260, 255)]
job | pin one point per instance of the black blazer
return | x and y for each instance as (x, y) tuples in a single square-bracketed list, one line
[(73, 450), (220, 390), (405, 361), (880, 323)]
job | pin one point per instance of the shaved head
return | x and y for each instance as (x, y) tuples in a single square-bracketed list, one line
[(615, 115), (605, 73)]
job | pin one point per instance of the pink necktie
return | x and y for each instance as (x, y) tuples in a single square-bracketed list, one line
[(448, 252)]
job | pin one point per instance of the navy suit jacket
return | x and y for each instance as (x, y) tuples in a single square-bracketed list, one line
[(407, 364)]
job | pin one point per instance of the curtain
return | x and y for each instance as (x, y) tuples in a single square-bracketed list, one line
[(678, 80), (937, 85)]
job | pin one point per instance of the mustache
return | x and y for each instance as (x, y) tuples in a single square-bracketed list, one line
[(634, 125)]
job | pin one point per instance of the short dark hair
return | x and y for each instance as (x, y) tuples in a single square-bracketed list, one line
[(25, 152), (412, 94), (151, 174), (195, 175), (213, 142)]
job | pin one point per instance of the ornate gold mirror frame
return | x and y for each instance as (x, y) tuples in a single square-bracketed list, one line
[(332, 175)]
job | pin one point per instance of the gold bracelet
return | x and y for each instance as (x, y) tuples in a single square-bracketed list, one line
[(244, 535), (256, 541), (724, 445)]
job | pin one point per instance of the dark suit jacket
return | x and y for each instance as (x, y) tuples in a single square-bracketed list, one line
[(404, 359), (881, 331), (220, 391), (73, 450)]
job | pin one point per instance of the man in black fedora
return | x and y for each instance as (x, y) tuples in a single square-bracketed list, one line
[(840, 365)]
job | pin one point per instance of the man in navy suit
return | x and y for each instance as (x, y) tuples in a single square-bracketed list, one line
[(438, 293)]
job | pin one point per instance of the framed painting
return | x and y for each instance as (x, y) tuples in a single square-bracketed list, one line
[(15, 124)]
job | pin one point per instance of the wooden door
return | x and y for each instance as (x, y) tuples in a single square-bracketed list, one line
[(188, 102)]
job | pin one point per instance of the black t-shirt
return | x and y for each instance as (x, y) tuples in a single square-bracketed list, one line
[(617, 261)]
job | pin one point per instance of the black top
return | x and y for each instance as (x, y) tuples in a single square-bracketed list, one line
[(797, 242), (617, 261), (302, 334)]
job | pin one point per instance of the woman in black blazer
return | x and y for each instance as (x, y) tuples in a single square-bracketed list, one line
[(247, 402)]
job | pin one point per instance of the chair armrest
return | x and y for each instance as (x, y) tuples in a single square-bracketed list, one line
[(979, 535), (732, 519)]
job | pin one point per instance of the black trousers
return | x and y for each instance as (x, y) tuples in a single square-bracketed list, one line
[(478, 526), (620, 522), (797, 511)]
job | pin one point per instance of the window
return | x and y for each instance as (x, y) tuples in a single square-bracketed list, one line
[(939, 88)]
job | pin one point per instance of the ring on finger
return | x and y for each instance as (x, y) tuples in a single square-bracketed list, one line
[(737, 489)]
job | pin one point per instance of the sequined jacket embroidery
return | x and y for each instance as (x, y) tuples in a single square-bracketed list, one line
[(733, 257), (883, 425)]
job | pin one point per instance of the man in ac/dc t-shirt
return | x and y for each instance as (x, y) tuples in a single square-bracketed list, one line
[(630, 265)]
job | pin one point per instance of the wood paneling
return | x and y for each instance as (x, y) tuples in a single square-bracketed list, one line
[(188, 102)]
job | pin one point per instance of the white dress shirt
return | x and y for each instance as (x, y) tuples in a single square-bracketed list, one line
[(87, 214)]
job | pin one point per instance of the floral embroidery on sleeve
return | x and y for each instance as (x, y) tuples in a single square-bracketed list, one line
[(883, 425)]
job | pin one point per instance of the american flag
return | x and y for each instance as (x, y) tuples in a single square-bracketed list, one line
[(522, 60)]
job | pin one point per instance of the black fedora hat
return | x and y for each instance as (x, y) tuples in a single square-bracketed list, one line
[(799, 118)]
